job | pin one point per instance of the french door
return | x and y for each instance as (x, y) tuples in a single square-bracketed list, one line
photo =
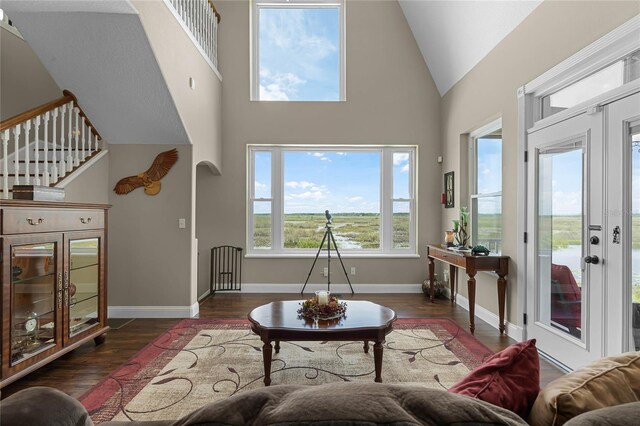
[(565, 218), (583, 257)]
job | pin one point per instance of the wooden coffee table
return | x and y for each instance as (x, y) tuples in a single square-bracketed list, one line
[(278, 321)]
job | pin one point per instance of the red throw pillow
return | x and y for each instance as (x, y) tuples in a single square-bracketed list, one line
[(509, 379)]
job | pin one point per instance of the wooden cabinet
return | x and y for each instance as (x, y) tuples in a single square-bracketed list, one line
[(54, 281)]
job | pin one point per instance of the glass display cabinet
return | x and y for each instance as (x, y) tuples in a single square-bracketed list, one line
[(53, 282)]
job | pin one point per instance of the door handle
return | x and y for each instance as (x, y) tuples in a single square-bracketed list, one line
[(594, 260)]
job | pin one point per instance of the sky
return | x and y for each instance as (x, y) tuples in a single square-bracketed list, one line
[(299, 54), (338, 181)]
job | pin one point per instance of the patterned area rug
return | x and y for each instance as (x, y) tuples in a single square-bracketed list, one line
[(203, 360)]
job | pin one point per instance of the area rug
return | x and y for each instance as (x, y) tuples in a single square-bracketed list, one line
[(199, 361)]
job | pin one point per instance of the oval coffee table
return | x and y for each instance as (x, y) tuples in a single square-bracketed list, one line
[(364, 321)]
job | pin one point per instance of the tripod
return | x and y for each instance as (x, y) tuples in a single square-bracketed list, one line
[(328, 236)]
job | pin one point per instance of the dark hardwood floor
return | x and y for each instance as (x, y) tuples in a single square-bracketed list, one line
[(79, 370)]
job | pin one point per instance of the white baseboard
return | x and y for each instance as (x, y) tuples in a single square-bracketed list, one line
[(154, 311), (335, 288), (512, 330), (204, 295)]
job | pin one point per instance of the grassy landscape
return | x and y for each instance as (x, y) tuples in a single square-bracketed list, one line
[(351, 230)]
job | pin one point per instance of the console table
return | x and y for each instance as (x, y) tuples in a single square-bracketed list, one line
[(472, 264)]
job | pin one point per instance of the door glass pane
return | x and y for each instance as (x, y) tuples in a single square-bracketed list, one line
[(84, 279), (401, 212), (262, 225), (560, 238), (635, 237), (33, 304)]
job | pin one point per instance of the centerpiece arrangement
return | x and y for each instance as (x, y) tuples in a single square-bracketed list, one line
[(323, 306)]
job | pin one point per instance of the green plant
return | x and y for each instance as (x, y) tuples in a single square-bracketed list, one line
[(460, 227)]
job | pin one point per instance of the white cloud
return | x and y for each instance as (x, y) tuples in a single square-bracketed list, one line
[(354, 199), (400, 157), (341, 153), (405, 168), (278, 86), (302, 184), (318, 154)]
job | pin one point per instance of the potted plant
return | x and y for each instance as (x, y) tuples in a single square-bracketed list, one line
[(460, 228)]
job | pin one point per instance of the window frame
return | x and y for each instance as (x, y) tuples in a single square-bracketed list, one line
[(386, 200), (254, 41), (474, 196)]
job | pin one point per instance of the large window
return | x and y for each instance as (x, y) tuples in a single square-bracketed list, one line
[(486, 186), (297, 50), (370, 191)]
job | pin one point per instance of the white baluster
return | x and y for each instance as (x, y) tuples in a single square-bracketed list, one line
[(5, 164), (89, 144), (83, 154), (76, 137), (16, 155), (54, 141), (97, 147), (27, 128), (45, 173), (70, 138), (62, 169), (36, 140)]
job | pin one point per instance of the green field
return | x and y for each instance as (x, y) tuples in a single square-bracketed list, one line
[(351, 230)]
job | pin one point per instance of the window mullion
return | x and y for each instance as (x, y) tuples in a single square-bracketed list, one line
[(386, 188), (277, 207)]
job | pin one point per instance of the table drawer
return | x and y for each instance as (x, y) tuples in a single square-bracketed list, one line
[(30, 221), (451, 258)]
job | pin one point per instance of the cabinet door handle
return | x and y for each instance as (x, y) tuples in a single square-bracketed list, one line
[(59, 290), (85, 221), (35, 222), (66, 288)]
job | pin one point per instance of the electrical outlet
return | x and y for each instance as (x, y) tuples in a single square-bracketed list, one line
[(325, 272), (182, 223), (353, 270)]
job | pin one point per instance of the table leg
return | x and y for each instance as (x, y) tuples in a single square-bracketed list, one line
[(366, 346), (453, 271), (266, 359), (431, 278), (277, 347), (502, 290), (377, 360), (471, 288)]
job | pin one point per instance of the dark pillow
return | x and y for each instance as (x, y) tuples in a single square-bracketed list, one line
[(509, 379)]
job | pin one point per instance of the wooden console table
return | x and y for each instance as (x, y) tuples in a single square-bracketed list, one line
[(472, 264)]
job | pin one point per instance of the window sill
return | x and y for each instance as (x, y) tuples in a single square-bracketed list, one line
[(334, 256)]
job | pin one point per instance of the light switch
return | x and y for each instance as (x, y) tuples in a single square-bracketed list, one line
[(182, 223)]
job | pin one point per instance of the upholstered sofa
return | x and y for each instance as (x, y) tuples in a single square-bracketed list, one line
[(502, 391)]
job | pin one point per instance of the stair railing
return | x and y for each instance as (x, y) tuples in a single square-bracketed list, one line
[(59, 130), (200, 18)]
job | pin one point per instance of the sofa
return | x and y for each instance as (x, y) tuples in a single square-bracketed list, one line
[(502, 391)]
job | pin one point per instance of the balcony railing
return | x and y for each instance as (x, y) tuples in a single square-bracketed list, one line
[(200, 20)]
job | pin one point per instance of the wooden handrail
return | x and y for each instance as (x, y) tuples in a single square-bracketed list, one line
[(215, 11), (39, 110)]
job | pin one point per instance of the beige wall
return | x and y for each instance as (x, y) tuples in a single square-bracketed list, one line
[(24, 82), (149, 256), (391, 99), (554, 31), (179, 60), (91, 186)]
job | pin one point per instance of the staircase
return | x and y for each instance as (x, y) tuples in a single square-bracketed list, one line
[(46, 145)]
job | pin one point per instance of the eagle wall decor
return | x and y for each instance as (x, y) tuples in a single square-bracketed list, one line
[(151, 178)]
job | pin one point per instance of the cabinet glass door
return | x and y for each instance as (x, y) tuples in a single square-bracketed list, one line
[(82, 284), (35, 300)]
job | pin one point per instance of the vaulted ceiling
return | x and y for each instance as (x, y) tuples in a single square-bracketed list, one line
[(454, 36)]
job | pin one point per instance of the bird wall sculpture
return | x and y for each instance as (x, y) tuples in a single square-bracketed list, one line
[(150, 179)]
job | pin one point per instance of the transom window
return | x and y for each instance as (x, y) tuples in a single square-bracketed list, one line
[(369, 190), (486, 186), (297, 50)]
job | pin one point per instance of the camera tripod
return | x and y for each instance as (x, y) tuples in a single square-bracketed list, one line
[(328, 237)]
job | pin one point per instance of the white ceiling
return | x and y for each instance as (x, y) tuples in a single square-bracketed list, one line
[(454, 36)]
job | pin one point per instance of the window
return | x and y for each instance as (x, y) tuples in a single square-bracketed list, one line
[(608, 78), (297, 50), (369, 190), (486, 186)]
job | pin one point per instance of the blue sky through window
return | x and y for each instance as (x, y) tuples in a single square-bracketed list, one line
[(299, 51)]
